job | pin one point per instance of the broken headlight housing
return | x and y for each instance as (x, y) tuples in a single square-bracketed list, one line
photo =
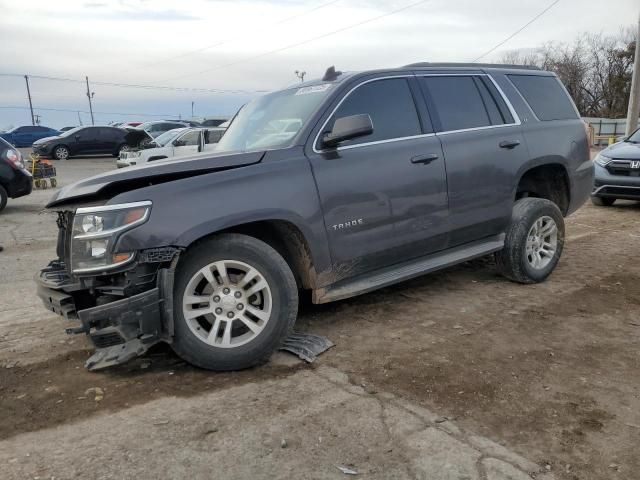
[(95, 231)]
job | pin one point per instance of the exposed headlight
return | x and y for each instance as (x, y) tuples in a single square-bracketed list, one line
[(602, 160), (95, 230)]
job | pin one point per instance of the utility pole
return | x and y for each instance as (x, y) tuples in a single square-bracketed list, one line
[(192, 103), (79, 119), (33, 119), (634, 97), (90, 96)]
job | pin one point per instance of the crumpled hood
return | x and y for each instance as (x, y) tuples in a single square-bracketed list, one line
[(623, 150), (46, 139), (107, 185)]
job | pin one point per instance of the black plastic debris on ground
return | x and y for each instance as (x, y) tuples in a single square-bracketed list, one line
[(306, 346)]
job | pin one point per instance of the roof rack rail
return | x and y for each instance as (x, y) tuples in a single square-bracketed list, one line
[(473, 65)]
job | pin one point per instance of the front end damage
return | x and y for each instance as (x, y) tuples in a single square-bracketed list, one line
[(124, 312)]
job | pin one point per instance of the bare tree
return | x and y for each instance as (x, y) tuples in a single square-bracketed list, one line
[(596, 69)]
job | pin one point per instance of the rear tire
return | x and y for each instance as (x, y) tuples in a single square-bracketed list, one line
[(3, 198), (533, 242), (603, 201), (122, 148), (232, 328)]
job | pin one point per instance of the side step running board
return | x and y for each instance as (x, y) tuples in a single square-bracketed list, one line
[(407, 270)]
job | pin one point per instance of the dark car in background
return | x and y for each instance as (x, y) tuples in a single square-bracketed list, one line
[(83, 141), (25, 136), (15, 179), (617, 172)]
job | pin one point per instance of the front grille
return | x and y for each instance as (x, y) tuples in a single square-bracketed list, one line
[(622, 168), (65, 226)]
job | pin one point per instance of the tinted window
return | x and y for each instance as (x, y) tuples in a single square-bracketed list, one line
[(390, 105), (545, 96), (458, 102), (189, 138), (213, 136)]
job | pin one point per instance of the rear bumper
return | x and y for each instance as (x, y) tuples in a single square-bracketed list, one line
[(120, 328), (615, 186)]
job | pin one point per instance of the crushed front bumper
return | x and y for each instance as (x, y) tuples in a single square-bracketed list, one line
[(120, 328)]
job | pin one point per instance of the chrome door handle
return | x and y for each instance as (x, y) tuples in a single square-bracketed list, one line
[(509, 144), (424, 159)]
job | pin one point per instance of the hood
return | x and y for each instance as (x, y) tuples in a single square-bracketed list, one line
[(626, 150), (107, 185), (47, 139), (137, 137)]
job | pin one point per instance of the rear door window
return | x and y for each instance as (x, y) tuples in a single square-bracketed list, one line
[(390, 105), (458, 102), (545, 96)]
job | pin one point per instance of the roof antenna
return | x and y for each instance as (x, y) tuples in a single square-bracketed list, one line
[(331, 74)]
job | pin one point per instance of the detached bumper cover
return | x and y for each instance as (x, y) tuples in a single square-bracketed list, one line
[(120, 329)]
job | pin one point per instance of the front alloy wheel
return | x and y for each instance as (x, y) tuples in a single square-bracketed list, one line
[(227, 303), (61, 153), (235, 301)]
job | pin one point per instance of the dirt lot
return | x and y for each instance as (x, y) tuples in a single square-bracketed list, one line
[(552, 371)]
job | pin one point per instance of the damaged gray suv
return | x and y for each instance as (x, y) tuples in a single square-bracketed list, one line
[(337, 186)]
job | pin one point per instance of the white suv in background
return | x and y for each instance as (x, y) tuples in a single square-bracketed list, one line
[(178, 142)]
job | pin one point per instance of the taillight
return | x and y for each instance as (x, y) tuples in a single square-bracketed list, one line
[(15, 158)]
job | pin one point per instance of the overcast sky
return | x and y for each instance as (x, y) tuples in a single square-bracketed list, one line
[(225, 44)]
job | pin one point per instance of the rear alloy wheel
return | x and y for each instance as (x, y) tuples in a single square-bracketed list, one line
[(533, 242), (235, 301), (603, 201), (61, 152)]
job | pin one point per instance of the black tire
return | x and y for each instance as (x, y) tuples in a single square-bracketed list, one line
[(284, 306), (603, 201), (512, 260), (3, 198), (119, 150), (56, 152)]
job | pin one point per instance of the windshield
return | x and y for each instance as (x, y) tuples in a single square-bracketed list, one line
[(73, 131), (634, 137), (166, 137), (273, 120)]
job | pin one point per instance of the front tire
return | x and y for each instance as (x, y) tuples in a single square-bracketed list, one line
[(533, 242), (61, 152), (603, 201), (235, 301)]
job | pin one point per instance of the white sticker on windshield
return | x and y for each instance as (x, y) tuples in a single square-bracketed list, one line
[(313, 89)]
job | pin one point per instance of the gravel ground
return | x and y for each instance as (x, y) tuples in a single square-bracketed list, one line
[(551, 371)]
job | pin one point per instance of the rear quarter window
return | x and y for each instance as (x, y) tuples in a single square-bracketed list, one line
[(545, 96)]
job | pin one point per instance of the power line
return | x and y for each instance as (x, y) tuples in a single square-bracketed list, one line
[(517, 31), (86, 111), (297, 44), (132, 85), (227, 40)]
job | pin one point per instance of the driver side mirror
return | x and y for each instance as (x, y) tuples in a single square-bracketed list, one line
[(77, 137), (179, 143), (347, 128)]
